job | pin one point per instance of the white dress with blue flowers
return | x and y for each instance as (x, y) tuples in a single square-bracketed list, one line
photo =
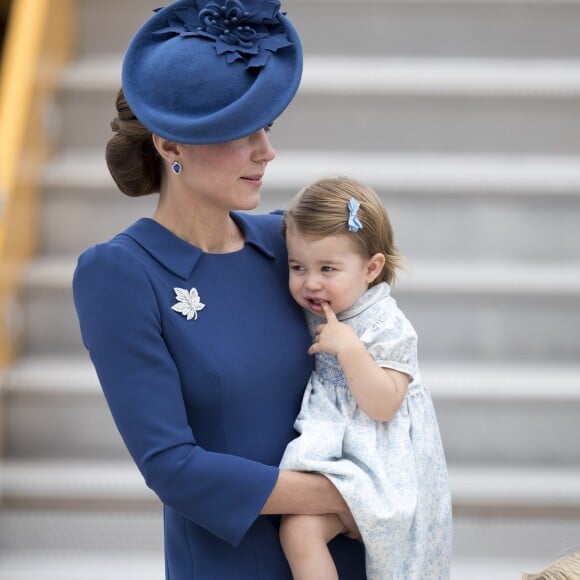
[(393, 474)]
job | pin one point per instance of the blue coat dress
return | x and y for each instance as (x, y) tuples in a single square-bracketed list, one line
[(203, 361)]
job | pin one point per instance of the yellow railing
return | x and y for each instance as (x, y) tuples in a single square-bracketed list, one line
[(38, 42)]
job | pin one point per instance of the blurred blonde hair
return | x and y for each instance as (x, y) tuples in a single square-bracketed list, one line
[(566, 568), (321, 209)]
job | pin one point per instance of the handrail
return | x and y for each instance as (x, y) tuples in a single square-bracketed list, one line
[(38, 42)]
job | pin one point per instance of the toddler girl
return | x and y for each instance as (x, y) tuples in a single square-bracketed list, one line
[(367, 421)]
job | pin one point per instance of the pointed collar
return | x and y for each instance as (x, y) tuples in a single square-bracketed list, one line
[(180, 256)]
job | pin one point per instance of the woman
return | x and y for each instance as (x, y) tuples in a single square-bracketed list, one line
[(199, 348)]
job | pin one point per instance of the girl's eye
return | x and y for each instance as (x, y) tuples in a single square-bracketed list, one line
[(328, 269), (296, 268)]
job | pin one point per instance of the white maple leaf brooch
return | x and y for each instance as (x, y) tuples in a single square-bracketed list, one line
[(188, 303)]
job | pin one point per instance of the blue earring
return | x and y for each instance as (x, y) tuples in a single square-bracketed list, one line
[(176, 167)]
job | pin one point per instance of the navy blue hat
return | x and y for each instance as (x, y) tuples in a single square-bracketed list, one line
[(210, 71)]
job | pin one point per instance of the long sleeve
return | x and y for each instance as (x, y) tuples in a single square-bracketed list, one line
[(122, 329)]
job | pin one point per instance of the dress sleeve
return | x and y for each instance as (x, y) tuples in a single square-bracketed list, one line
[(392, 341), (121, 327)]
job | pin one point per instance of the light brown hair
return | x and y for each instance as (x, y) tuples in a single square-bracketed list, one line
[(566, 568), (321, 209)]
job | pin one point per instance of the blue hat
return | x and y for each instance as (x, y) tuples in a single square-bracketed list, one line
[(210, 71)]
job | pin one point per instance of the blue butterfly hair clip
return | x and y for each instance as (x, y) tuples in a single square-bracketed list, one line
[(354, 224)]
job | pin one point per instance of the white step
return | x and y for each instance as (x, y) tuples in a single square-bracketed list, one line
[(49, 483), (459, 175), (488, 413), (518, 383), (324, 74), (470, 207), (451, 105), (490, 310), (522, 490), (529, 542), (89, 507), (510, 414), (449, 28), (82, 566), (54, 408), (79, 528), (495, 568), (389, 104), (507, 516), (144, 566), (492, 490), (521, 28)]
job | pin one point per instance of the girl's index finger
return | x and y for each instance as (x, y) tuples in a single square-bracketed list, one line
[(328, 312)]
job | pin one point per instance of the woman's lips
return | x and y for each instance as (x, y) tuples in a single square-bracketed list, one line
[(253, 178)]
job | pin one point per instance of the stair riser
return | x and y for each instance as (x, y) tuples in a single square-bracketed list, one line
[(441, 124), (91, 218), (474, 432), (523, 539), (110, 534), (427, 226), (55, 426), (103, 531), (488, 328), (516, 432), (463, 326), (438, 29), (387, 122), (95, 566), (451, 28), (50, 322)]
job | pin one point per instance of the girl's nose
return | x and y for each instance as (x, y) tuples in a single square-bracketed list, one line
[(312, 282)]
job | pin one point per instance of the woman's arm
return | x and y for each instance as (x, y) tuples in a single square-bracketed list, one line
[(296, 492), (379, 392)]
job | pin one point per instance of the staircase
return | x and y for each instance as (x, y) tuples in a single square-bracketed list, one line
[(465, 116)]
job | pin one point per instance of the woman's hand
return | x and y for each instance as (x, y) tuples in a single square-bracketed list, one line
[(296, 492), (350, 528)]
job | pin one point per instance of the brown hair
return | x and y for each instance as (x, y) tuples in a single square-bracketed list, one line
[(132, 159), (567, 568), (321, 209)]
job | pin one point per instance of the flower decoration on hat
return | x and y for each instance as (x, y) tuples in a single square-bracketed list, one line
[(247, 30)]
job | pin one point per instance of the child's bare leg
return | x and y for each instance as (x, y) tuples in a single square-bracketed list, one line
[(305, 542)]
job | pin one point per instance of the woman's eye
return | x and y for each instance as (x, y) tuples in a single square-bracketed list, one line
[(268, 127)]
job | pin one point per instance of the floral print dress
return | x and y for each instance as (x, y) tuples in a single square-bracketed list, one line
[(392, 474)]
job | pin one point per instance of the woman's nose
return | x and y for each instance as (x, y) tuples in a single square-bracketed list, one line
[(264, 149)]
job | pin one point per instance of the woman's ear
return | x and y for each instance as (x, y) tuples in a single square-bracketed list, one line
[(375, 266), (169, 150)]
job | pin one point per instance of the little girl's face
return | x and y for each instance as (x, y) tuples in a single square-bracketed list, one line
[(327, 269)]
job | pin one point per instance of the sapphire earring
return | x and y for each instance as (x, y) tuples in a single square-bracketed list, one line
[(176, 167)]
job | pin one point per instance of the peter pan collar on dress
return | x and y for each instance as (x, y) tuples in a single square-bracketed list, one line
[(368, 299), (179, 256)]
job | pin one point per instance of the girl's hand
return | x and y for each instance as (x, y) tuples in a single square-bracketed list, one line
[(334, 336)]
